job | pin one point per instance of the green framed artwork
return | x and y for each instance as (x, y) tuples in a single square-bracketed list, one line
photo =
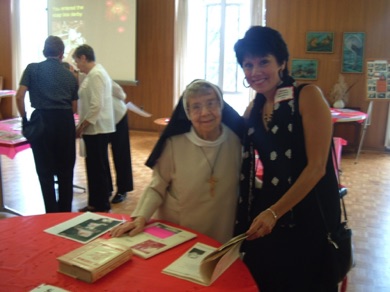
[(319, 42), (305, 69), (353, 52)]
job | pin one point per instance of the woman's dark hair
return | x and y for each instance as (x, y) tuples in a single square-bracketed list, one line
[(260, 41), (54, 47), (85, 50)]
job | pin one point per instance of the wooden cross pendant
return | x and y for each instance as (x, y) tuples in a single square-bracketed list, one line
[(212, 181)]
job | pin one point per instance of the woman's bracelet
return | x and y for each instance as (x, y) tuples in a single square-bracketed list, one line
[(273, 213)]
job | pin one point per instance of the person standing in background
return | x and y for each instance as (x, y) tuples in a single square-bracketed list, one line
[(119, 140), (96, 124), (120, 146), (53, 95)]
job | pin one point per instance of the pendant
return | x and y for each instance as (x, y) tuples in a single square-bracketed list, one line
[(212, 181)]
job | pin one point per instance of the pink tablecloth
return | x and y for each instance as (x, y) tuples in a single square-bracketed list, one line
[(11, 139), (347, 115)]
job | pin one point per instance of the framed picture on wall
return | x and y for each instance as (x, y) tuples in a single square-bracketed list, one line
[(305, 69), (353, 52), (319, 42)]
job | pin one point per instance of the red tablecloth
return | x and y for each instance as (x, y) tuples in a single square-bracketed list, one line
[(28, 259)]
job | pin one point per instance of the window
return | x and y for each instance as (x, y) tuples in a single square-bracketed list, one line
[(29, 25), (214, 26)]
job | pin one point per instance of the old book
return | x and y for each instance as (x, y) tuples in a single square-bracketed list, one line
[(155, 238), (203, 264), (92, 261)]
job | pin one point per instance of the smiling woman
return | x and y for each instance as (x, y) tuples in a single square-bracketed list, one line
[(196, 165)]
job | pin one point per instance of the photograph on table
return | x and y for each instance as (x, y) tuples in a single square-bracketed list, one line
[(353, 52), (304, 69), (319, 42)]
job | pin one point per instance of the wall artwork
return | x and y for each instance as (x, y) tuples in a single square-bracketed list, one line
[(319, 42), (378, 79), (353, 52), (305, 69)]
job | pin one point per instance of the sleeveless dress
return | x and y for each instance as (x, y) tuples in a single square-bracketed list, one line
[(289, 258)]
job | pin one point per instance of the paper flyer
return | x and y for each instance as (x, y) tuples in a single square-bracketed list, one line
[(132, 107)]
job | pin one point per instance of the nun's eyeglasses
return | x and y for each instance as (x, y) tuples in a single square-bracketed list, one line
[(210, 105)]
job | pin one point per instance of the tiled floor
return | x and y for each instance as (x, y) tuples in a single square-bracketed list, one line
[(368, 203)]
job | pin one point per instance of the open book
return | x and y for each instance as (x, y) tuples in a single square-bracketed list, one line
[(155, 238), (203, 264)]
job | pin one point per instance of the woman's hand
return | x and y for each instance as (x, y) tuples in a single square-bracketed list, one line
[(262, 225), (133, 227)]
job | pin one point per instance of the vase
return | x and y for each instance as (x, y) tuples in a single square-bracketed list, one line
[(339, 104)]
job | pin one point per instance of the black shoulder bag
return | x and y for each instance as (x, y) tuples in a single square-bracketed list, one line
[(339, 249)]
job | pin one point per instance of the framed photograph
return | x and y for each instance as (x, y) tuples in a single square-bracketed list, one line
[(353, 52), (319, 42), (305, 69)]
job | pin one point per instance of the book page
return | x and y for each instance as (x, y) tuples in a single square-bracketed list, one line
[(85, 227), (213, 266), (187, 265), (156, 238), (48, 288), (135, 109), (96, 256), (203, 264)]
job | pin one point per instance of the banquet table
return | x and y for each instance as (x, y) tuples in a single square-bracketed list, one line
[(356, 118), (5, 94), (347, 115), (28, 258), (11, 142)]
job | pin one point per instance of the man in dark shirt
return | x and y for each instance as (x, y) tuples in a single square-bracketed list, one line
[(53, 95)]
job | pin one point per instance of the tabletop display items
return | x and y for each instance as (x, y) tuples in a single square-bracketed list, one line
[(155, 238), (203, 264), (93, 260)]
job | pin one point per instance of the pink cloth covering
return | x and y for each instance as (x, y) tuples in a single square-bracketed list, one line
[(11, 139)]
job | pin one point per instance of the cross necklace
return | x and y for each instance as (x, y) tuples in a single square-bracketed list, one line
[(212, 180)]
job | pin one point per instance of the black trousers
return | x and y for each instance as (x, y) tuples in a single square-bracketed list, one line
[(120, 146), (55, 155), (97, 167), (288, 260)]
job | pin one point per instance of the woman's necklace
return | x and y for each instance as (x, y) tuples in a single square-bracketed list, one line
[(212, 180), (267, 117), (267, 113)]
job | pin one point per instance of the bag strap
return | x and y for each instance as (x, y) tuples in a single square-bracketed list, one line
[(341, 198), (334, 154)]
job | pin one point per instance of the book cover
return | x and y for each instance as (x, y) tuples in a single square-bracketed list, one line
[(155, 238), (203, 264), (92, 261), (85, 227)]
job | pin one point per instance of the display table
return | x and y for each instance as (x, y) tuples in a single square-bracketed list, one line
[(11, 142), (348, 125), (28, 259), (6, 94), (347, 115)]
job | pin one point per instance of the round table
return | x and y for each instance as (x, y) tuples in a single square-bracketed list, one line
[(28, 258)]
